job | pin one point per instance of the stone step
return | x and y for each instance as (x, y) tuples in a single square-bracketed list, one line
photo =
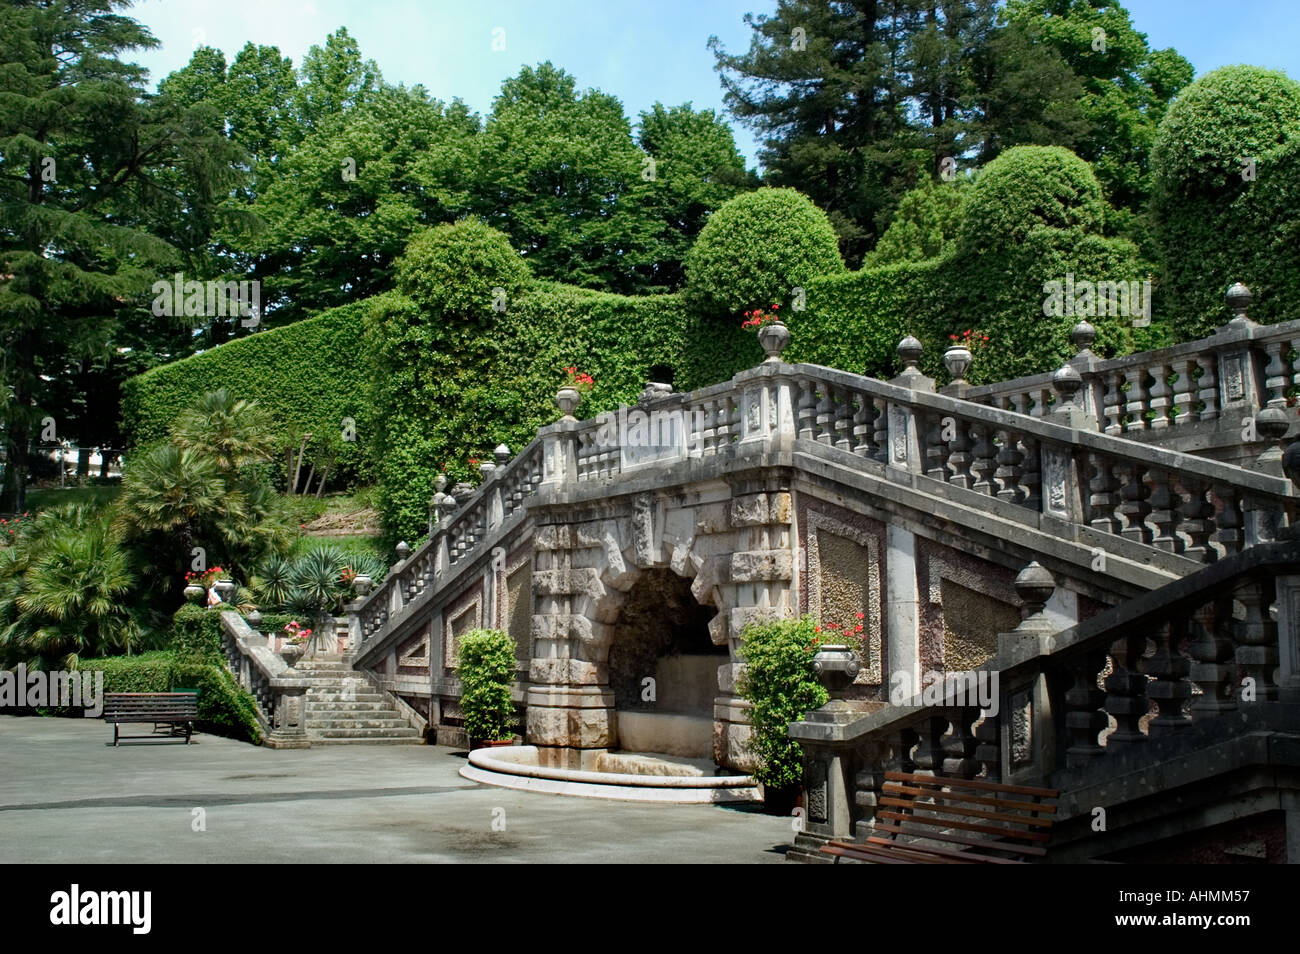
[(353, 705), (393, 722), (405, 732), (326, 695), (316, 740)]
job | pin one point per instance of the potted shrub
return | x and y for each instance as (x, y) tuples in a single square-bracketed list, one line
[(487, 671), (780, 682), (773, 335)]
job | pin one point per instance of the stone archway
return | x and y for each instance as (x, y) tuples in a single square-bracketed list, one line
[(733, 541), (663, 668)]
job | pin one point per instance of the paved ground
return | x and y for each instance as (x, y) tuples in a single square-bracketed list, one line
[(65, 796)]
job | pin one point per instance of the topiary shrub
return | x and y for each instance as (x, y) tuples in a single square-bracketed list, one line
[(779, 683), (923, 227), (1027, 187), (486, 666), (756, 248), (1226, 197), (453, 269)]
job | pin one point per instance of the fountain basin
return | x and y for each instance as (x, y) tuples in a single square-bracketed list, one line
[(653, 777)]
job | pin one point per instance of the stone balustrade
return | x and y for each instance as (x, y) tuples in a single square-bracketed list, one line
[(1201, 662), (281, 694), (1199, 396)]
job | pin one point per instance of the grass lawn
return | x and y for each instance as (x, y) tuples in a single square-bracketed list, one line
[(53, 497)]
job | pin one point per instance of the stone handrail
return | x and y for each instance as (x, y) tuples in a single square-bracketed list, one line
[(1136, 677), (454, 539), (279, 691), (1200, 392), (1059, 466)]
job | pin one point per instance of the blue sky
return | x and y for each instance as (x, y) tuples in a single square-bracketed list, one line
[(638, 51)]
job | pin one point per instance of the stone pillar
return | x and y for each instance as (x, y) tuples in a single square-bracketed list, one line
[(902, 608), (1025, 708), (1239, 389), (1288, 638), (289, 725)]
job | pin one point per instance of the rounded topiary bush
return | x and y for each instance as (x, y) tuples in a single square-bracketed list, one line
[(756, 248), (454, 268), (1227, 116), (1225, 197), (1027, 187)]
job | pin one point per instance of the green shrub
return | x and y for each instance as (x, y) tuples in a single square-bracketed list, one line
[(455, 270), (923, 227), (780, 684), (1026, 187), (487, 671), (224, 708), (196, 632), (1214, 224), (756, 248)]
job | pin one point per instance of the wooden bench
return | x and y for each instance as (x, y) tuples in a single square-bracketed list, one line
[(160, 708), (924, 819)]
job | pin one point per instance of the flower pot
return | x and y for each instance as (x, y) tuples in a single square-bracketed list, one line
[(195, 593), (567, 400), (475, 744), (774, 337), (291, 653), (957, 360), (225, 589)]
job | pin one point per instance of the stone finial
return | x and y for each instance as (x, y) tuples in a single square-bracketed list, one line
[(1035, 587), (486, 468), (1082, 336), (654, 390), (1238, 298), (957, 361), (1271, 425), (502, 455), (403, 550), (910, 351), (362, 583), (254, 621), (1066, 382), (567, 400)]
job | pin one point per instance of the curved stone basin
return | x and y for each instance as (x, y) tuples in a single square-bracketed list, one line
[(673, 780)]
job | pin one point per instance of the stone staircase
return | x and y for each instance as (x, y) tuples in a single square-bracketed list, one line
[(343, 707)]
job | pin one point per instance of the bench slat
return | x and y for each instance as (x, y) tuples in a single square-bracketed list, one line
[(972, 857), (1009, 847), (975, 783), (964, 826), (1037, 808), (958, 809)]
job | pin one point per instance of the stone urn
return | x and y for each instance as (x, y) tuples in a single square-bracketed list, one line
[(225, 589), (567, 400), (362, 583), (195, 593), (774, 337), (836, 666), (957, 360), (291, 653)]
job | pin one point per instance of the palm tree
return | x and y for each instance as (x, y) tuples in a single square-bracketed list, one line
[(171, 491), (236, 432)]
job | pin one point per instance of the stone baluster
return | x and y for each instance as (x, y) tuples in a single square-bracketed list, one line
[(843, 419), (1126, 688), (929, 750), (1138, 402), (881, 436), (807, 409), (1208, 386), (1031, 477), (1228, 519), (868, 785), (959, 744), (1161, 396), (960, 458), (989, 750), (1277, 375), (1184, 392), (1164, 510), (1009, 459), (863, 427), (1113, 404), (1084, 718), (1211, 648), (1257, 644), (1195, 519), (825, 415), (984, 461), (1133, 508), (936, 448), (1170, 690), (726, 423)]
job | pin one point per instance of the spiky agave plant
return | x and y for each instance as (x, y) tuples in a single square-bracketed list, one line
[(318, 590)]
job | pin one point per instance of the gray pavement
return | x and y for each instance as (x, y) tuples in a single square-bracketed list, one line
[(66, 796)]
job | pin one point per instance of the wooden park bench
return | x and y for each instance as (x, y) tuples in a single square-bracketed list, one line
[(926, 819), (160, 708)]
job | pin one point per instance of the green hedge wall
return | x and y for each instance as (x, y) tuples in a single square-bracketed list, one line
[(224, 708), (196, 632), (307, 375)]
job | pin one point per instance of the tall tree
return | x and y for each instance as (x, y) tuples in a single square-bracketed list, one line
[(80, 146)]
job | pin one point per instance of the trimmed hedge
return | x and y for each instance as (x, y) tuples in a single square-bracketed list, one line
[(224, 708), (307, 376), (196, 631), (1214, 226)]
